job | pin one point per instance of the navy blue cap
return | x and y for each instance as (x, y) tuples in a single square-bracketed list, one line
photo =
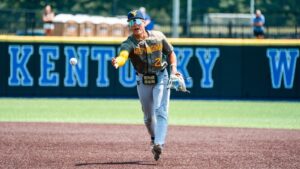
[(134, 15)]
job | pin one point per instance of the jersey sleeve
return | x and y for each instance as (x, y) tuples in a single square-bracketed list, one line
[(126, 46), (167, 47), (124, 53)]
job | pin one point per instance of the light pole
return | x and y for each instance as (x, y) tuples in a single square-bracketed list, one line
[(175, 18), (188, 17), (252, 5)]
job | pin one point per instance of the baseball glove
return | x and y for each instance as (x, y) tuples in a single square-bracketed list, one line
[(177, 82)]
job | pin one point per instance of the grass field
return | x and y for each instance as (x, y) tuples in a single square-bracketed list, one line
[(254, 114)]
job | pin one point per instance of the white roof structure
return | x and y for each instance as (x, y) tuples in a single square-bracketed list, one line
[(63, 18), (226, 18), (80, 18)]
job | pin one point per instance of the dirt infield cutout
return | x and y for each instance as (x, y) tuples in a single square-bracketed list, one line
[(71, 145)]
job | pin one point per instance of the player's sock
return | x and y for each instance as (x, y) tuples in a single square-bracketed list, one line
[(152, 141)]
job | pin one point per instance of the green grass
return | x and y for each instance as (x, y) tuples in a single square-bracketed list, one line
[(256, 114)]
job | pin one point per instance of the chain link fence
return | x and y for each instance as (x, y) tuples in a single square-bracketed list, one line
[(29, 22)]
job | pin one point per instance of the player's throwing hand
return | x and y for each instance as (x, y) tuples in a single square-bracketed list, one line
[(114, 63)]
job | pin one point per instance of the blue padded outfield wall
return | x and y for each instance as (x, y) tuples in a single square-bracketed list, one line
[(215, 68)]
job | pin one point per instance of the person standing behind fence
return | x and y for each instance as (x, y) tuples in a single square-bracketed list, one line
[(258, 24), (48, 17), (148, 21)]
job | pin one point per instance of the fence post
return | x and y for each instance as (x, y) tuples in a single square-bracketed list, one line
[(230, 29), (29, 22), (296, 33), (209, 31)]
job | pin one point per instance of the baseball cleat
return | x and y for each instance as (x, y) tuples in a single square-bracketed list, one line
[(156, 151), (152, 143)]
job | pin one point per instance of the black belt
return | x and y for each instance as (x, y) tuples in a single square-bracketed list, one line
[(162, 70)]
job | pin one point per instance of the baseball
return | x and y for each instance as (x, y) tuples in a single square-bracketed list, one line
[(73, 61)]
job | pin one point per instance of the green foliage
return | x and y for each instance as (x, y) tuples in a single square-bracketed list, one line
[(278, 12)]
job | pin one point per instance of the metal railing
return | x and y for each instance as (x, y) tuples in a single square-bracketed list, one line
[(233, 31)]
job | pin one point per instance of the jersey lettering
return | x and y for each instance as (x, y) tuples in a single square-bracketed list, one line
[(156, 47), (138, 51), (149, 49), (157, 62)]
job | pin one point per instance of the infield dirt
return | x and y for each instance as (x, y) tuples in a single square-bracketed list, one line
[(71, 145)]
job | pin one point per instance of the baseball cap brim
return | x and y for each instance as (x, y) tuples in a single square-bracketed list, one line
[(135, 14)]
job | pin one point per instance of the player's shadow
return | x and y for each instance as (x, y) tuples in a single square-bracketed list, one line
[(118, 163)]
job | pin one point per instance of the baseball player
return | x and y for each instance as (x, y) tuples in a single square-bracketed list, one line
[(150, 53)]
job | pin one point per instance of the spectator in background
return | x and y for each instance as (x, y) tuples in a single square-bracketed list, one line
[(148, 21), (258, 25), (48, 17)]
